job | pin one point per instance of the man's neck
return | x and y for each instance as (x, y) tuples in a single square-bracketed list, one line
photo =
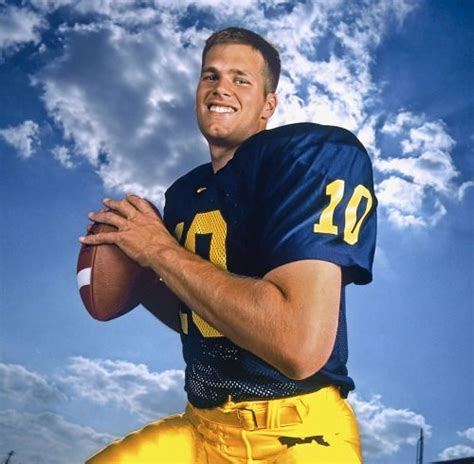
[(220, 156)]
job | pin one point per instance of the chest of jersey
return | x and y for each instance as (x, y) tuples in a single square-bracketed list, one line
[(218, 221)]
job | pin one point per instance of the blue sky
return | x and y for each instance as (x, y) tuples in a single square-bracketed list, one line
[(96, 99)]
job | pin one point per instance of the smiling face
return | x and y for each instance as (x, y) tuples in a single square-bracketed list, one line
[(231, 103)]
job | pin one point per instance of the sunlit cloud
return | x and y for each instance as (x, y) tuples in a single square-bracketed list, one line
[(63, 155), (132, 387), (118, 385), (47, 437), (24, 386), (129, 113), (468, 433), (385, 429), (23, 138), (456, 452), (18, 26)]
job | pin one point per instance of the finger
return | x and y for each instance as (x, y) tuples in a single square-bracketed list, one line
[(122, 206), (98, 239), (108, 217), (143, 205)]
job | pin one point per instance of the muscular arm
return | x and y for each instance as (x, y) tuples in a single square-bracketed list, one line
[(288, 318)]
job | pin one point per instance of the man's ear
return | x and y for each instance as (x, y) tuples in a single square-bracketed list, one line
[(271, 102)]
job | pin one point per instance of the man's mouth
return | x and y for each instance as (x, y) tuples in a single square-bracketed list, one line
[(221, 109)]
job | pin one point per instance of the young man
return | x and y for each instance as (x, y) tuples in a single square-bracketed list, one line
[(257, 246)]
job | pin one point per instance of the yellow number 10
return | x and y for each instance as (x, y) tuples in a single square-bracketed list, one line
[(210, 223), (335, 191)]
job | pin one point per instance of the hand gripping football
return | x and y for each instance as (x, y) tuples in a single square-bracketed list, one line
[(110, 283)]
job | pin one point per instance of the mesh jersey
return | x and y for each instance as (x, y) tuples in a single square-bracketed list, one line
[(302, 191)]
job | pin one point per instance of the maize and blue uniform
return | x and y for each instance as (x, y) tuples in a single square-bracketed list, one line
[(297, 192)]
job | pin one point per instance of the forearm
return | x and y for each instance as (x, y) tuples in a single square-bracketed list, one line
[(160, 301), (253, 313)]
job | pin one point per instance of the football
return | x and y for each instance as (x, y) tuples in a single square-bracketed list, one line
[(110, 283)]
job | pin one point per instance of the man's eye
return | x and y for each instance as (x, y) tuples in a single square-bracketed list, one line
[(241, 81), (209, 77)]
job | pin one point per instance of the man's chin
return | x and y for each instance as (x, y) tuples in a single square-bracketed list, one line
[(221, 140), (217, 135)]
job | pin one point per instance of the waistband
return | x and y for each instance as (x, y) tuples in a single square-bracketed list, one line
[(261, 414)]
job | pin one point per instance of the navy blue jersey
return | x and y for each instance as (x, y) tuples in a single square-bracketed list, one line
[(302, 191)]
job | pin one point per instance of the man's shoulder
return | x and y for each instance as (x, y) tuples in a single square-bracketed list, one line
[(305, 132), (311, 144)]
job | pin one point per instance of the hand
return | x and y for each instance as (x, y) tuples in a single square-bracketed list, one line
[(140, 229)]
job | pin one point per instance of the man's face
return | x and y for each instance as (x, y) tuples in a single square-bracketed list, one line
[(231, 104)]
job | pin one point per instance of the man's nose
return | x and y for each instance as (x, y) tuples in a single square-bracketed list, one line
[(221, 89)]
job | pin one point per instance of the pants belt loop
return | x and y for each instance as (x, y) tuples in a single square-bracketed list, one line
[(247, 419), (273, 416)]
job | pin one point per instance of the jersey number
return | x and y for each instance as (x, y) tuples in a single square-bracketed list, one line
[(335, 192), (210, 223)]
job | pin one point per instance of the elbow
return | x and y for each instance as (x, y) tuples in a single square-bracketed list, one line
[(302, 363), (301, 370)]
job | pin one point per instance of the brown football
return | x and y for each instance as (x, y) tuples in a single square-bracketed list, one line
[(110, 283)]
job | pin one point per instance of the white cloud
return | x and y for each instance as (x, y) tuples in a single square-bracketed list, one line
[(19, 384), (465, 186), (148, 395), (144, 121), (427, 148), (133, 387), (47, 437), (384, 430), (456, 452), (468, 433), (408, 204), (63, 155), (40, 436), (18, 26), (23, 137), (396, 125), (422, 174), (129, 112)]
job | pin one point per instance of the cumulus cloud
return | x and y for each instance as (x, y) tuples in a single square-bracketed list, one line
[(63, 155), (459, 451), (148, 395), (23, 137), (129, 112), (422, 173), (48, 437), (126, 385), (384, 429), (426, 148), (38, 435), (468, 433), (456, 452), (407, 203), (19, 384), (18, 26)]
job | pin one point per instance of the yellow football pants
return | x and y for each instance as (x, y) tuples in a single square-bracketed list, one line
[(318, 427)]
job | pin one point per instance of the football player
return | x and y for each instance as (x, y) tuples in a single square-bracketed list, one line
[(255, 249)]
